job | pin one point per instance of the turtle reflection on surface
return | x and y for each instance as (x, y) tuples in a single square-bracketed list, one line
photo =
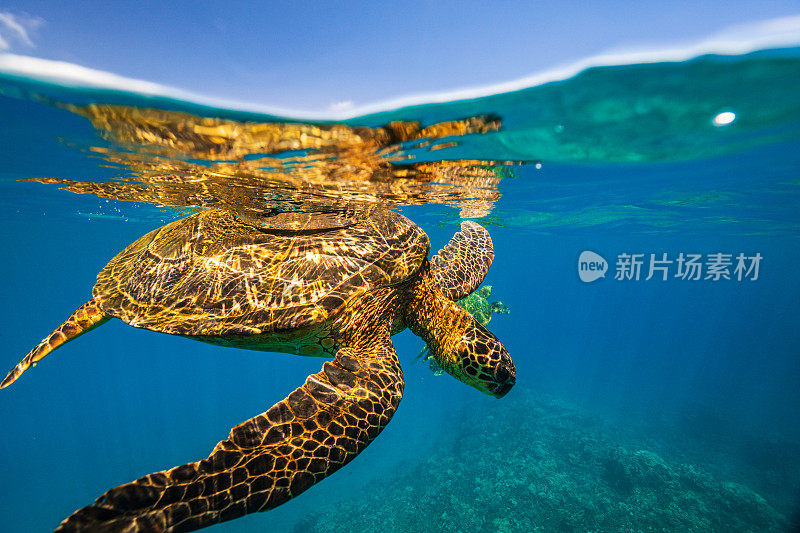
[(178, 159)]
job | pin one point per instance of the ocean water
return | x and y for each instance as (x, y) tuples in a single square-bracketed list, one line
[(640, 404)]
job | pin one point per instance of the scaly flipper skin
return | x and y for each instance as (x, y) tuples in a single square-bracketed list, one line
[(85, 318), (459, 267), (269, 459)]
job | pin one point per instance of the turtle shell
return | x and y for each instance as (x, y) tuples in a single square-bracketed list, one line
[(222, 273)]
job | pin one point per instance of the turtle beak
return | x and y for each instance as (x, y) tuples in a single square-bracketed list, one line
[(505, 376)]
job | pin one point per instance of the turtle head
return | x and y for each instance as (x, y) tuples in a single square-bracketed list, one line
[(460, 345), (478, 358)]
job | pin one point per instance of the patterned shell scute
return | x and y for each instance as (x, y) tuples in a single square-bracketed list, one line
[(215, 273)]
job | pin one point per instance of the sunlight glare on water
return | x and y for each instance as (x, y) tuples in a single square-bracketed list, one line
[(724, 118)]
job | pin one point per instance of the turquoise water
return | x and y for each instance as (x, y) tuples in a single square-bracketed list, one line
[(664, 405)]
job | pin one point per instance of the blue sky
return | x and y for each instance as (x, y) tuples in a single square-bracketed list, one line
[(317, 56)]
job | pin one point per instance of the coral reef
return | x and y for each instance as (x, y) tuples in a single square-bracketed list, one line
[(538, 464)]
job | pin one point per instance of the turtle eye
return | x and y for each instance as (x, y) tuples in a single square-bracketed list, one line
[(502, 374)]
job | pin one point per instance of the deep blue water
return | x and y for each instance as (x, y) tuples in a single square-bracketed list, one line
[(630, 163)]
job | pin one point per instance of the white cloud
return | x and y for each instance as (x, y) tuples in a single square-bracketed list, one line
[(77, 75), (16, 29), (341, 106), (774, 33)]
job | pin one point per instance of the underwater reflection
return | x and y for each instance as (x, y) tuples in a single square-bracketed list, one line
[(178, 159)]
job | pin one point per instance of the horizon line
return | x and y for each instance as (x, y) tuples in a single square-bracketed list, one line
[(776, 33)]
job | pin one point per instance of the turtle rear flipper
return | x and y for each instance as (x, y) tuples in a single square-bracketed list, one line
[(85, 318), (459, 267), (268, 459)]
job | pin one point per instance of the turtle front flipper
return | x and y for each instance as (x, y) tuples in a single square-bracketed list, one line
[(459, 267), (85, 318), (268, 459)]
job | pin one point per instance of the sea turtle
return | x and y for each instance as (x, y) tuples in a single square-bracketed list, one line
[(333, 285), (477, 304)]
